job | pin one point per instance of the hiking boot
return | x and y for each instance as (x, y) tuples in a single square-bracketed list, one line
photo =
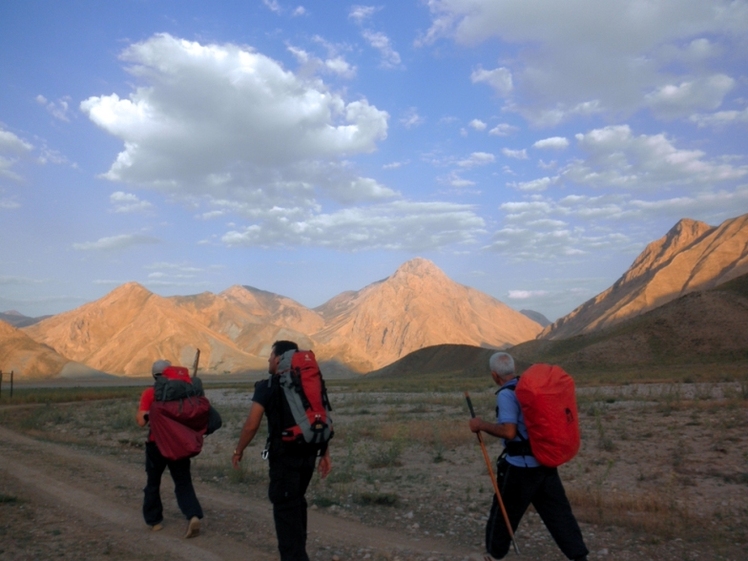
[(193, 528), (157, 527)]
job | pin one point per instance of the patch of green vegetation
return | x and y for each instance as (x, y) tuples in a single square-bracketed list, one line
[(324, 502), (379, 499), (8, 499)]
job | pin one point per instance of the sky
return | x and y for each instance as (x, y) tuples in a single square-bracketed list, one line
[(530, 149)]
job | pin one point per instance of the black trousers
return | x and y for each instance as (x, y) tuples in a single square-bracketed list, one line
[(541, 487), (289, 479), (155, 464)]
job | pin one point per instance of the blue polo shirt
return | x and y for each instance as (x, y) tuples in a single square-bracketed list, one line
[(509, 411)]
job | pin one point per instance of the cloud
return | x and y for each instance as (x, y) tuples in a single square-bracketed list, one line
[(516, 154), (525, 294), (58, 109), (381, 42), (541, 228), (11, 147), (411, 119), (223, 111), (615, 157), (477, 124), (311, 65), (503, 129), (398, 225), (500, 79), (720, 118), (707, 93), (455, 180), (115, 243), (540, 184), (396, 165), (128, 202), (606, 54), (555, 143), (272, 5), (477, 159), (361, 13), (9, 204)]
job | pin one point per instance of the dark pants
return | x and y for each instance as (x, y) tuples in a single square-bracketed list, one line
[(155, 464), (542, 488), (289, 479)]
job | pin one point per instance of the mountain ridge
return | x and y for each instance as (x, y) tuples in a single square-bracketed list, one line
[(691, 256), (418, 305)]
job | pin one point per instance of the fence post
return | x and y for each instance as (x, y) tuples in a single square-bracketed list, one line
[(1, 383), (11, 384)]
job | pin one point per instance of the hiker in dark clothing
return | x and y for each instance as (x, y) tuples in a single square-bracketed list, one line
[(522, 480), (290, 473), (155, 464)]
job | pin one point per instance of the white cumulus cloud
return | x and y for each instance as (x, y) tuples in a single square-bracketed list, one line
[(582, 55)]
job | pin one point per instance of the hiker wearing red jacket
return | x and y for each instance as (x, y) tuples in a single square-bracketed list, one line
[(522, 480), (155, 464)]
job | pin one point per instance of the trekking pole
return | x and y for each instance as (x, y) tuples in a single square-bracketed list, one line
[(195, 363), (493, 478)]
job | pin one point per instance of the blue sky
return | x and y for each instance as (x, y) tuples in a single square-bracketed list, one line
[(530, 149)]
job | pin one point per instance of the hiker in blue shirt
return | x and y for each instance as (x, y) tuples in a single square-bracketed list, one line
[(522, 480)]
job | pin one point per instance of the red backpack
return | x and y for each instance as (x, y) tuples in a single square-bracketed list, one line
[(306, 420), (179, 414), (548, 401)]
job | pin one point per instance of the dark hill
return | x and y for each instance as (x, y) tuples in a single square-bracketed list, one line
[(441, 361), (707, 327)]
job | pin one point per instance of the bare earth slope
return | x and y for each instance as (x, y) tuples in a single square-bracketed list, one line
[(29, 359), (417, 307), (124, 332), (691, 256)]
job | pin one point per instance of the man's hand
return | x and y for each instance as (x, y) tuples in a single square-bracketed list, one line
[(325, 465), (476, 424), (236, 459)]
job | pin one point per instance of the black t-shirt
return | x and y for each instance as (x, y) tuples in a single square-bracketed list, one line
[(265, 394)]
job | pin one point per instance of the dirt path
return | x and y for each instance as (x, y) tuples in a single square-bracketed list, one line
[(76, 504)]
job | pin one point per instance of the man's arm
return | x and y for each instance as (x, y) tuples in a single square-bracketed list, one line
[(507, 431), (249, 430), (141, 417)]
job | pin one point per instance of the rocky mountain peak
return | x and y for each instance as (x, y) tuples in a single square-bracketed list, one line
[(684, 233), (421, 268)]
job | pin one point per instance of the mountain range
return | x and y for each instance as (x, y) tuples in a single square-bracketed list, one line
[(416, 308), (126, 330)]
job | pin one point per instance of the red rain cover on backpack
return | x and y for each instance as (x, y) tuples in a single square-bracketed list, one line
[(549, 404), (305, 394), (179, 425)]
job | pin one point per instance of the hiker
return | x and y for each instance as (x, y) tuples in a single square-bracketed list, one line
[(522, 480), (156, 463), (291, 469)]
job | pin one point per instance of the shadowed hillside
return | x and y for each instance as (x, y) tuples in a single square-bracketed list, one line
[(700, 330)]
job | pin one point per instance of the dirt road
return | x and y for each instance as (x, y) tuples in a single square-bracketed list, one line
[(68, 503)]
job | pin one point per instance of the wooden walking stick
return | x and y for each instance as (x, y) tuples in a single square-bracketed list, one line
[(195, 363), (493, 478)]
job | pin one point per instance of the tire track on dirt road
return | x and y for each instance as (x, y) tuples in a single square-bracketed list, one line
[(106, 493)]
